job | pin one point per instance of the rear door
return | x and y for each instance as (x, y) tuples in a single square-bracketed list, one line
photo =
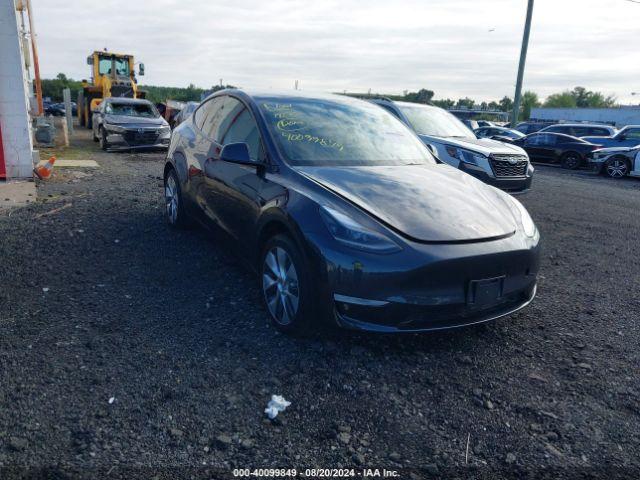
[(548, 147), (533, 146), (198, 152)]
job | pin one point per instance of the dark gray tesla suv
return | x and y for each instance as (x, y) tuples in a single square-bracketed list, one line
[(347, 216)]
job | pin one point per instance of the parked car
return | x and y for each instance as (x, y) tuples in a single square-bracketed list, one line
[(485, 123), (616, 162), (128, 123), (347, 216), (55, 109), (496, 163), (628, 136), (569, 152), (581, 129), (531, 127), (183, 114), (59, 109), (498, 133), (471, 124)]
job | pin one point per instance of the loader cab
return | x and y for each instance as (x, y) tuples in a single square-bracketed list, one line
[(118, 68)]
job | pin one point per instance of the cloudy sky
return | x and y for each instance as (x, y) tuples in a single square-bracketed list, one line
[(455, 47)]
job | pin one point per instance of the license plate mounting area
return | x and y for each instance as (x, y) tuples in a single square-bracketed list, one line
[(485, 291)]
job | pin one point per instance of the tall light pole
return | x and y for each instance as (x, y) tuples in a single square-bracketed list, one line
[(523, 59)]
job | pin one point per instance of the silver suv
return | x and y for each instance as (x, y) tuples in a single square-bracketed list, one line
[(496, 163)]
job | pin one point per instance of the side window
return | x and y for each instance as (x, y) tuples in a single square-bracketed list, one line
[(601, 132), (238, 125), (633, 133), (581, 131), (547, 139), (533, 140), (203, 114), (200, 114), (107, 108)]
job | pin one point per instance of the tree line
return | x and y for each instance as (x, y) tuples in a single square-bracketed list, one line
[(53, 87), (579, 97)]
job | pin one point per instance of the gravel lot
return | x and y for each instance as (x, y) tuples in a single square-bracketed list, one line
[(131, 350)]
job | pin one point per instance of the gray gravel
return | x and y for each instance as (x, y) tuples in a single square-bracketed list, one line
[(149, 353)]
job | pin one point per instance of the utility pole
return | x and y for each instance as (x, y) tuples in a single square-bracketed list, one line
[(523, 59), (36, 63)]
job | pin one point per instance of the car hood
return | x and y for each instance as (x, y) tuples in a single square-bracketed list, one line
[(128, 121), (426, 203), (485, 146)]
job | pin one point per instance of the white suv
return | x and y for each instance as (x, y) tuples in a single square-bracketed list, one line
[(496, 163)]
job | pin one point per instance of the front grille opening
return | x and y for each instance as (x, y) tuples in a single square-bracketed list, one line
[(132, 137), (504, 165)]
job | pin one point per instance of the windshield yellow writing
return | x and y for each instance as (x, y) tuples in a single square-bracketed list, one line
[(292, 127)]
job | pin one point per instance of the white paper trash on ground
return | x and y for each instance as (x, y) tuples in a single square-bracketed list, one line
[(276, 405)]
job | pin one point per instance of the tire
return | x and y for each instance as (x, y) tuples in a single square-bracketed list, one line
[(617, 167), (104, 143), (571, 161), (287, 285), (87, 112), (174, 203)]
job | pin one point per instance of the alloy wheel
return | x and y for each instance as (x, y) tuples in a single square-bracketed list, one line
[(616, 168), (280, 285), (572, 162), (171, 199)]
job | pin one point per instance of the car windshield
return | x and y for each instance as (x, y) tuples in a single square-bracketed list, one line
[(345, 132), (435, 121), (132, 110)]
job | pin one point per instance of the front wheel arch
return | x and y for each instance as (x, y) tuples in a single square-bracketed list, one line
[(617, 157)]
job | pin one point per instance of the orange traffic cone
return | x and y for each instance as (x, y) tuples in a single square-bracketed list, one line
[(44, 168)]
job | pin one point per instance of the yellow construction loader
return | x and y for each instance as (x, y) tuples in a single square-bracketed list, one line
[(112, 75)]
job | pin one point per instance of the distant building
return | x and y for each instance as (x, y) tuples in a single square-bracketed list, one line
[(619, 116)]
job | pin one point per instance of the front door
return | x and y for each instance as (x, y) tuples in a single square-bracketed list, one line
[(233, 191)]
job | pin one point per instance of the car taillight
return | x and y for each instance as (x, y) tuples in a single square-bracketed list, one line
[(596, 147)]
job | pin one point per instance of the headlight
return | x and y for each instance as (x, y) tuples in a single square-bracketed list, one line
[(527, 223), (114, 128), (165, 130), (349, 232), (466, 156)]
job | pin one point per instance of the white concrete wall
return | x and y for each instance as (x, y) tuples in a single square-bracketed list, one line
[(618, 116), (14, 116)]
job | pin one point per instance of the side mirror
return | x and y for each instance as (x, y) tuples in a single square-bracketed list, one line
[(141, 69), (236, 153)]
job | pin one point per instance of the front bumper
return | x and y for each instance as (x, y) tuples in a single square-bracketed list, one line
[(595, 164), (508, 184), (388, 317), (133, 139), (428, 286)]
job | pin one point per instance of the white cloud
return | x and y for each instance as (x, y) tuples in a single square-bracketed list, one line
[(388, 46)]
